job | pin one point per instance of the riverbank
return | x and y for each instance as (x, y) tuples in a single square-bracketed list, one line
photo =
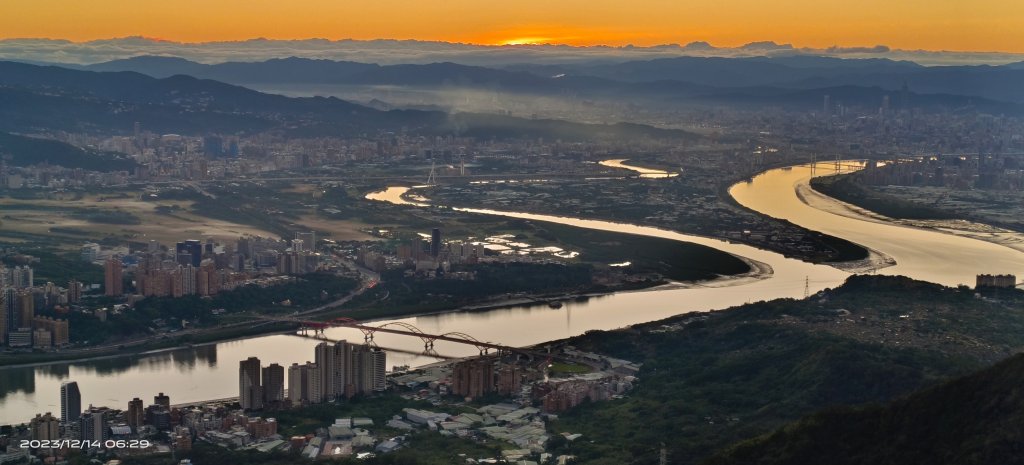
[(264, 328), (963, 228), (218, 368), (759, 271), (164, 345)]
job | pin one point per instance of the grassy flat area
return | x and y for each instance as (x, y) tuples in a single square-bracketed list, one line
[(128, 216), (673, 259), (560, 369)]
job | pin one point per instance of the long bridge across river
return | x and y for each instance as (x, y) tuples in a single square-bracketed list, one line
[(404, 329)]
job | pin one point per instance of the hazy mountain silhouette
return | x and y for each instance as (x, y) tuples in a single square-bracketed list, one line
[(38, 99)]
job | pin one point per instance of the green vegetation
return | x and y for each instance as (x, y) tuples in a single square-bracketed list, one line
[(242, 209), (567, 369), (108, 217), (848, 189), (975, 419), (308, 291), (24, 151), (60, 267), (171, 341), (380, 409), (681, 261), (397, 294), (846, 251), (711, 380)]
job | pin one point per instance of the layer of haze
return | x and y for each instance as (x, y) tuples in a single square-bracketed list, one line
[(988, 25)]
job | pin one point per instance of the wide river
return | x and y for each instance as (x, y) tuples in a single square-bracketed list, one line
[(211, 371)]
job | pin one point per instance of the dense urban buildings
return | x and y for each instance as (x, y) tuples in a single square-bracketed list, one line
[(340, 370), (1007, 281)]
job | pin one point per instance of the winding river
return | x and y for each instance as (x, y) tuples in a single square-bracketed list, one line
[(210, 372)]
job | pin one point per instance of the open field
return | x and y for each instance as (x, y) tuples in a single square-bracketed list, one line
[(75, 218), (340, 230)]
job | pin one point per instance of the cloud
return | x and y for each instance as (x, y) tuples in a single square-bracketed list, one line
[(388, 51), (841, 50)]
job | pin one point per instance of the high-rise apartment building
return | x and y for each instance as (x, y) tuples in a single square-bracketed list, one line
[(112, 280), (326, 362), (435, 242), (59, 329), (250, 393), (297, 390), (25, 309), (378, 372), (135, 416), (70, 402), (162, 400), (74, 292), (313, 383), (473, 378), (93, 425), (273, 384), (44, 427)]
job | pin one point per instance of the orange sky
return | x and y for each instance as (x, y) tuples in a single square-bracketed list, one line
[(979, 25)]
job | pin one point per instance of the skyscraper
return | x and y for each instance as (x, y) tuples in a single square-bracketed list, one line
[(44, 427), (343, 368), (250, 393), (325, 362), (193, 248), (313, 383), (25, 308), (378, 362), (369, 364), (435, 242), (6, 314), (297, 390), (74, 291), (21, 277), (273, 383), (93, 426), (70, 402), (136, 414), (473, 378), (162, 400), (112, 281)]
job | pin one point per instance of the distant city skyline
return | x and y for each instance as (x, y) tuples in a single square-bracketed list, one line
[(952, 25)]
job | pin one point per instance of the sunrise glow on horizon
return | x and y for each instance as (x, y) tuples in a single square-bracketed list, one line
[(981, 25)]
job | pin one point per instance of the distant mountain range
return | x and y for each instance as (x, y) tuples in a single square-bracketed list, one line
[(174, 95), (706, 79), (801, 72), (389, 51), (40, 99)]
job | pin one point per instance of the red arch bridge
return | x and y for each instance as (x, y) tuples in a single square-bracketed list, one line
[(404, 329)]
